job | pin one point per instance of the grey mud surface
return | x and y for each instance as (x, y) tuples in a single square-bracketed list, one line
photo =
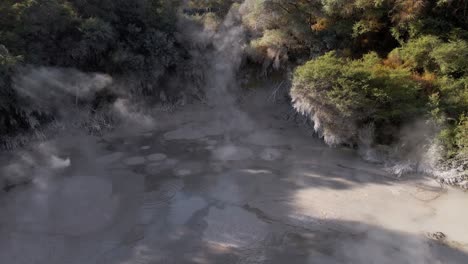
[(190, 190)]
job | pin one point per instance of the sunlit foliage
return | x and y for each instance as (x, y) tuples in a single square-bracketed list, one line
[(345, 95)]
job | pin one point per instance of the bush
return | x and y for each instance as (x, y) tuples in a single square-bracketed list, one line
[(451, 58), (415, 53), (343, 96), (11, 116), (461, 136)]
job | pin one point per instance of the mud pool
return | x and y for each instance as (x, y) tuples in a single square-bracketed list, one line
[(192, 190)]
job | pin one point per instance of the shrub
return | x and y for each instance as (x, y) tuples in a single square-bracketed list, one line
[(342, 96)]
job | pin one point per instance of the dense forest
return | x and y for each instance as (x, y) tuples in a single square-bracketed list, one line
[(364, 71)]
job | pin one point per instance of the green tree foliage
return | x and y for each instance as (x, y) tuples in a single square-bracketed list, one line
[(132, 39), (90, 34), (423, 73), (451, 58), (425, 78), (443, 67), (461, 136), (10, 117), (347, 95), (41, 30), (353, 28), (98, 38)]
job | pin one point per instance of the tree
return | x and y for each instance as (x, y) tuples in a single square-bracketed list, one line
[(98, 37), (11, 116), (344, 96)]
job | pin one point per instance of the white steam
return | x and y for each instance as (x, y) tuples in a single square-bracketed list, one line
[(56, 87)]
